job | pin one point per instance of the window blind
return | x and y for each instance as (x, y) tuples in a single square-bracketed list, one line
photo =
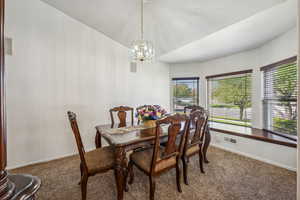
[(280, 97), (229, 99)]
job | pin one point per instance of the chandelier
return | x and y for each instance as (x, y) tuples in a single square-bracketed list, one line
[(142, 50)]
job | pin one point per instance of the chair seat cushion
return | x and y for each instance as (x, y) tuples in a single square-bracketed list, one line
[(143, 160), (100, 159), (192, 150)]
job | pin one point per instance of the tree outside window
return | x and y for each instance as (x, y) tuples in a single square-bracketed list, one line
[(230, 99), (280, 98), (185, 93)]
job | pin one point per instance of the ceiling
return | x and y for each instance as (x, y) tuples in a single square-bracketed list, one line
[(170, 24), (247, 34)]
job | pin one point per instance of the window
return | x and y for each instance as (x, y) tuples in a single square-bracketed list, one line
[(280, 97), (185, 92), (229, 99)]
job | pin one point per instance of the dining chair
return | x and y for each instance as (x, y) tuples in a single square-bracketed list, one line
[(194, 141), (121, 113), (93, 162), (192, 108), (157, 160)]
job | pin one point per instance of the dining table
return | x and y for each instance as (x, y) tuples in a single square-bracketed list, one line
[(126, 139)]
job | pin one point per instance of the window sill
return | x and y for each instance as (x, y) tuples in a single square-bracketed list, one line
[(253, 133)]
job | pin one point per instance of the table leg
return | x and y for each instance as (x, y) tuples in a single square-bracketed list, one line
[(98, 142), (125, 171), (119, 171), (206, 144)]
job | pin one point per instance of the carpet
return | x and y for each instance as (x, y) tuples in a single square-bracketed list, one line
[(228, 176)]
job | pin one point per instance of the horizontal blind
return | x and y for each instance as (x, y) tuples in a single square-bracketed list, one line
[(280, 83), (185, 92), (229, 99), (280, 97)]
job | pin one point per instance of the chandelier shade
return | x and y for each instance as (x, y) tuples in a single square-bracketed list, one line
[(142, 50)]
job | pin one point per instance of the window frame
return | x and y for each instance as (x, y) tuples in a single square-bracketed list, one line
[(265, 117), (248, 71), (181, 79)]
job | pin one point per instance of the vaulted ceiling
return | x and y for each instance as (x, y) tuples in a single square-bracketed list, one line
[(170, 24), (247, 34)]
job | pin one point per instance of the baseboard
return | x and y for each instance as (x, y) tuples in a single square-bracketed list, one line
[(40, 161), (43, 160), (254, 157)]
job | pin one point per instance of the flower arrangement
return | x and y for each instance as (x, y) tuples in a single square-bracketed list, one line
[(150, 112)]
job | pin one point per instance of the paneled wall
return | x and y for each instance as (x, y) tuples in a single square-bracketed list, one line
[(278, 49), (59, 64)]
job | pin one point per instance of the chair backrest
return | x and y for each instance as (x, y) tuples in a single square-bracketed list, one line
[(178, 124), (75, 129), (199, 120), (190, 109), (193, 108), (121, 112)]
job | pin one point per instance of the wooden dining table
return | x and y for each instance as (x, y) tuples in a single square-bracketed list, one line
[(126, 139)]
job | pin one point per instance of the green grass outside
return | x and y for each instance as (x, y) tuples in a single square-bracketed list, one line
[(223, 106), (231, 123), (228, 118)]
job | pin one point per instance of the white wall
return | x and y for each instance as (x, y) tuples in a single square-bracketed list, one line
[(280, 48), (59, 64), (281, 156)]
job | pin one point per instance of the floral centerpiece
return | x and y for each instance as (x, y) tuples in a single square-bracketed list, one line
[(149, 113)]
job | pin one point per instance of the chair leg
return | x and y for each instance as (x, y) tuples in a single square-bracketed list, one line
[(201, 162), (178, 176), (152, 187), (185, 170), (126, 189), (81, 172), (130, 171), (84, 181)]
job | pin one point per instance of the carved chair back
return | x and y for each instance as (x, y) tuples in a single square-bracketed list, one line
[(121, 113), (193, 108), (190, 109), (75, 129), (199, 119), (178, 123)]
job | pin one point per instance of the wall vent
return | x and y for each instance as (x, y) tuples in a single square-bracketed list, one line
[(8, 46), (133, 67)]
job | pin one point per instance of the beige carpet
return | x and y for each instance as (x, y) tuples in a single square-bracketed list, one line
[(228, 176)]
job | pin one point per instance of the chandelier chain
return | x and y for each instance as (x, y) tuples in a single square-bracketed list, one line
[(142, 19)]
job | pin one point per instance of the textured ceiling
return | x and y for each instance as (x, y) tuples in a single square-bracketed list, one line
[(170, 24)]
